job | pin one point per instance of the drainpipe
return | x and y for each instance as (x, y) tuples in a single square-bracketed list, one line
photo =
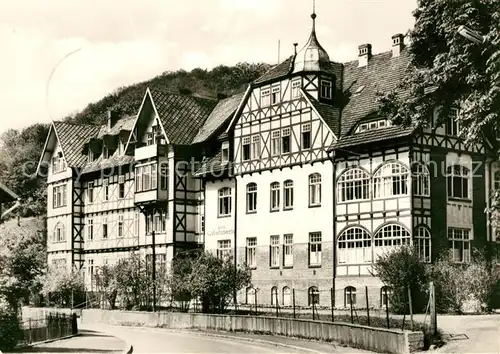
[(235, 238), (334, 203)]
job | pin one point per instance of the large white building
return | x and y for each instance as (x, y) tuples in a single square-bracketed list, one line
[(299, 177)]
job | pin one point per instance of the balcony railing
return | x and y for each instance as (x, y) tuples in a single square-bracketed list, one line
[(150, 151)]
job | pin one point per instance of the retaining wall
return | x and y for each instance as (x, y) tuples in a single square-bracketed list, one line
[(35, 313), (375, 339)]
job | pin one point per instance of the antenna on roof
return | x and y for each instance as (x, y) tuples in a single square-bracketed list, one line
[(279, 48)]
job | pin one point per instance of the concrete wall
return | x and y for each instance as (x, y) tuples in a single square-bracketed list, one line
[(40, 312), (375, 339)]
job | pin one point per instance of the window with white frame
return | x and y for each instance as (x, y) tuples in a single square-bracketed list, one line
[(265, 97), (250, 296), (287, 296), (274, 296), (105, 186), (245, 149), (120, 225), (224, 248), (150, 136), (136, 223), (288, 195), (326, 89), (159, 221), (354, 246), (288, 251), (385, 294), (225, 153), (453, 123), (149, 224), (91, 156), (459, 244), (296, 84), (390, 180), (421, 180), (285, 141), (389, 236), (255, 147), (224, 202), (251, 252), (274, 250), (90, 192), (105, 228), (354, 184), (275, 196), (121, 187), (275, 95), (251, 198), (154, 176), (349, 296), (90, 229), (59, 233), (373, 125), (58, 163), (458, 181), (306, 136), (315, 189), (275, 143), (146, 178), (138, 179), (59, 196), (315, 248), (164, 176), (313, 296), (422, 243)]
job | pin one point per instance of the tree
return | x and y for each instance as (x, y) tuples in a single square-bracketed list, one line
[(64, 287), (447, 69), (133, 282), (215, 280), (402, 269), (178, 280), (106, 284)]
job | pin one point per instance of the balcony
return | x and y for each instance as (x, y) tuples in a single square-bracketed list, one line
[(150, 151)]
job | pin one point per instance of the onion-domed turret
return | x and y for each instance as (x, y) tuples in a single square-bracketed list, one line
[(313, 57)]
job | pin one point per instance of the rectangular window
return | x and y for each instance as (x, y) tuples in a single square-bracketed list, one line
[(90, 192), (255, 147), (224, 202), (275, 95), (458, 182), (275, 196), (164, 177), (296, 89), (252, 198), (224, 248), (120, 225), (306, 136), (90, 229), (288, 195), (59, 196), (251, 256), (245, 152), (288, 251), (149, 139), (105, 228), (154, 176), (285, 140), (459, 243), (136, 223), (275, 143), (315, 248), (146, 178), (149, 224), (105, 185), (91, 156), (452, 123), (315, 190), (58, 163), (274, 250), (121, 187), (265, 97), (225, 153), (326, 89), (138, 179)]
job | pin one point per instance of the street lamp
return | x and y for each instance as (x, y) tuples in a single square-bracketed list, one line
[(471, 35)]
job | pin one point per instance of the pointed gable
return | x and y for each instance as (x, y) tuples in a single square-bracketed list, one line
[(72, 138)]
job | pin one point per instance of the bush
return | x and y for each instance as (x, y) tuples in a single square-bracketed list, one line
[(401, 269), (10, 329)]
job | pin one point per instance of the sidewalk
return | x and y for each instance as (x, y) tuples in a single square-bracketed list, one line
[(87, 341)]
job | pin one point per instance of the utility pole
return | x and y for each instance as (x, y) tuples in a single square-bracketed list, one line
[(154, 269)]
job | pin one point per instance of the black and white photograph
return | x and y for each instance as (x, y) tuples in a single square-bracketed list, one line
[(250, 176)]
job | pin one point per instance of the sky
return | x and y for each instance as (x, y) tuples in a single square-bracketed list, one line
[(58, 56)]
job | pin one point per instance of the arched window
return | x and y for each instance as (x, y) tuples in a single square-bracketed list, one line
[(287, 296), (422, 243), (250, 296), (349, 296), (224, 202), (421, 183), (59, 233), (385, 295), (313, 296), (288, 194), (315, 189), (389, 236), (354, 246), (458, 181), (275, 196), (390, 180), (274, 296), (251, 198), (354, 185)]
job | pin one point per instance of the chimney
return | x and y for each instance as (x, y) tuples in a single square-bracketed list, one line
[(113, 117), (364, 54), (398, 43)]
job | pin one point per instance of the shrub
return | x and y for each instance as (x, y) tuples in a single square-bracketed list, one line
[(400, 269), (10, 329)]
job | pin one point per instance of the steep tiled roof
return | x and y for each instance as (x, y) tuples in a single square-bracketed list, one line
[(213, 166), (125, 123), (382, 74), (371, 136), (329, 113), (221, 114), (182, 116), (72, 137), (113, 161), (276, 71)]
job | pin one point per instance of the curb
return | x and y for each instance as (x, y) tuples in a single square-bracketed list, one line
[(130, 350), (48, 341)]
